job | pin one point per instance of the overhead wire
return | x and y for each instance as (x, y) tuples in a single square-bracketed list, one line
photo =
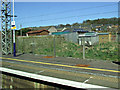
[(72, 16), (68, 11), (62, 12)]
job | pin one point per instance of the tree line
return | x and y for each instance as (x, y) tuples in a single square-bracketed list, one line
[(86, 23)]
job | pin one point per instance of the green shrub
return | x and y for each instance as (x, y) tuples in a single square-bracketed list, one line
[(46, 46)]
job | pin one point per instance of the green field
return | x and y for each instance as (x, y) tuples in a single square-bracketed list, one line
[(58, 46)]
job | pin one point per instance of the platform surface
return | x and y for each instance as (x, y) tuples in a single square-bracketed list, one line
[(103, 73)]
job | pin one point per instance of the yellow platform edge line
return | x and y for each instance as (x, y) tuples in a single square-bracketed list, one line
[(97, 69)]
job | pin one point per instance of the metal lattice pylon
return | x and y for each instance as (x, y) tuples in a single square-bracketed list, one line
[(6, 33)]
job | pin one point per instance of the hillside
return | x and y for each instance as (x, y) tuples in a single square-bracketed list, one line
[(90, 25), (112, 21)]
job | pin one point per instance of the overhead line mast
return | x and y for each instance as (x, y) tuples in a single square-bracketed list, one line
[(6, 33)]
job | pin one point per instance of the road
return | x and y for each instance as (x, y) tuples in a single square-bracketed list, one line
[(103, 73)]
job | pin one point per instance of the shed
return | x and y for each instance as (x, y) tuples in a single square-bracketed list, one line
[(90, 38), (104, 37), (60, 33)]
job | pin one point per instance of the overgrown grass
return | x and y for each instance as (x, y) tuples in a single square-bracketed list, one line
[(104, 51), (49, 46)]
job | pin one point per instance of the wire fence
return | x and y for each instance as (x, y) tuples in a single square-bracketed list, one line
[(106, 47)]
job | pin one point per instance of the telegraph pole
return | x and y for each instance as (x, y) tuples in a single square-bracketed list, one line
[(83, 47), (20, 29), (91, 26)]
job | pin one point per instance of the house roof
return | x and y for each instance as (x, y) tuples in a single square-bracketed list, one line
[(80, 30), (59, 33), (37, 31), (103, 33), (40, 28), (52, 28), (59, 28), (90, 34), (67, 30), (75, 30)]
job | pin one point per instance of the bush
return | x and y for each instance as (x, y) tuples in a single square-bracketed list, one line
[(62, 48)]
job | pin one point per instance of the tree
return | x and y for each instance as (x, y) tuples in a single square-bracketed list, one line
[(61, 25), (75, 25), (68, 25)]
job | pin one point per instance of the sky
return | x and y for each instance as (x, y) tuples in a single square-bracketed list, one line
[(35, 14)]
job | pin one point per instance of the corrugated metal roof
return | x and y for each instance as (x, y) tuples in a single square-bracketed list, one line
[(88, 34), (103, 33), (80, 30), (37, 31), (59, 33)]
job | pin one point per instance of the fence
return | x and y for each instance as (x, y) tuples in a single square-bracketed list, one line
[(60, 46), (49, 46), (106, 37), (71, 37)]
